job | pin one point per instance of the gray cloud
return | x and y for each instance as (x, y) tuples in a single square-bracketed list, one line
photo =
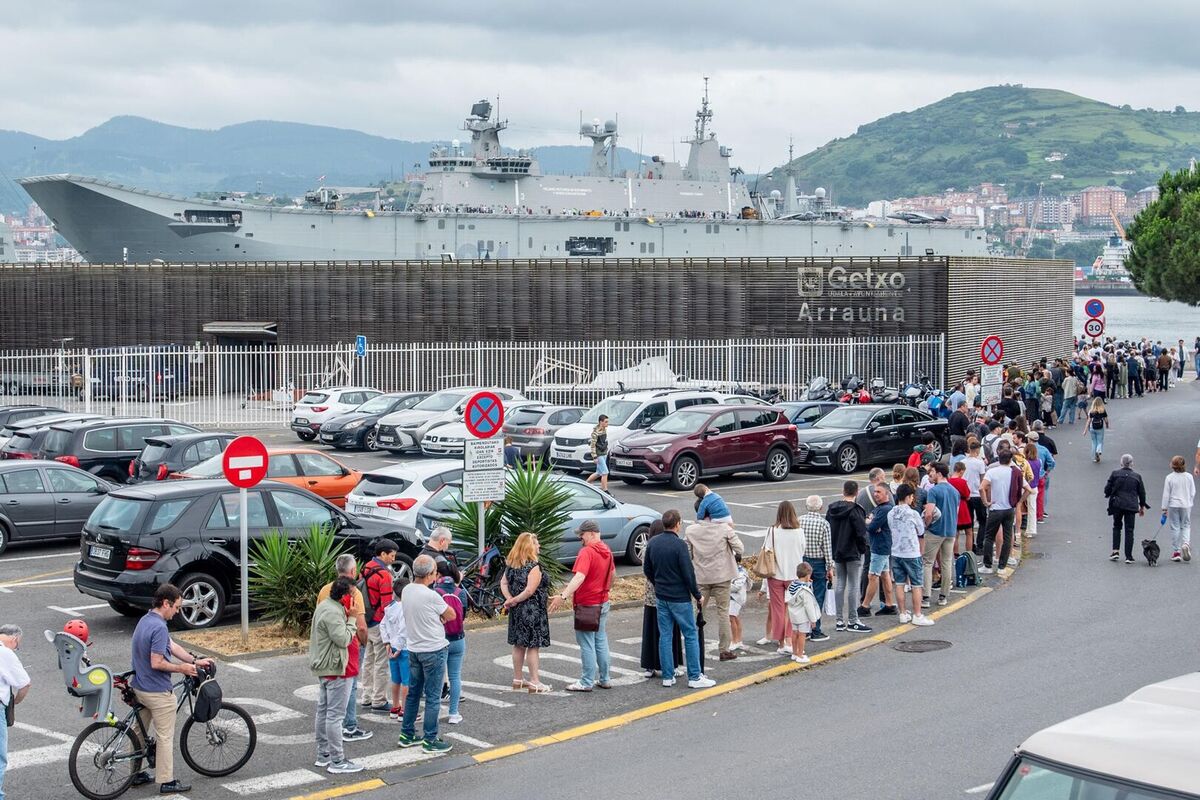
[(408, 70)]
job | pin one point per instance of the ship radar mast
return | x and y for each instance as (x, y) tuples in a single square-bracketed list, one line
[(703, 115)]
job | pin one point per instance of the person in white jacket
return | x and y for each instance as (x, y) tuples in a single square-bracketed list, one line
[(394, 634), (1179, 494), (802, 610)]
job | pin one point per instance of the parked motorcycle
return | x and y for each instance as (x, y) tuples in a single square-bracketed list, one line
[(917, 392), (854, 390), (882, 393), (819, 388)]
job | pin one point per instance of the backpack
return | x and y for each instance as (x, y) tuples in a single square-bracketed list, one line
[(368, 606), (1014, 486), (208, 698), (965, 571)]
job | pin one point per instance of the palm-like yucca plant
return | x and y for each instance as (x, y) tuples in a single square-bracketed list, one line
[(285, 576), (534, 502)]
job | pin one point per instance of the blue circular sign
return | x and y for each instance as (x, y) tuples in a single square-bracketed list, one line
[(1094, 307)]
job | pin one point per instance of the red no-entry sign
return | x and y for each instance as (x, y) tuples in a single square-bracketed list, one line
[(484, 415), (992, 350), (245, 462)]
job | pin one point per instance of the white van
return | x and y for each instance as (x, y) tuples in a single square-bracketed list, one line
[(1141, 748), (627, 412), (403, 430)]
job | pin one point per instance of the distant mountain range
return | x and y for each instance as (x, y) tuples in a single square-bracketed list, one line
[(276, 157), (1003, 134)]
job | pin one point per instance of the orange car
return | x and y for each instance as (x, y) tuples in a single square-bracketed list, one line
[(300, 466)]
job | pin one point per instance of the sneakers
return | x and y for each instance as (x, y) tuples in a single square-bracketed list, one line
[(397, 712), (886, 611), (604, 684), (858, 627), (381, 707), (840, 626), (922, 620), (924, 602), (904, 618), (786, 650), (577, 687), (1013, 561), (322, 760), (737, 646), (343, 767), (801, 659), (177, 787), (1129, 561), (1115, 556), (454, 719), (356, 735), (818, 636), (1177, 556), (941, 599), (983, 570), (765, 640), (436, 746), (703, 682), (648, 673), (727, 655), (407, 741), (668, 682), (863, 611), (1187, 552)]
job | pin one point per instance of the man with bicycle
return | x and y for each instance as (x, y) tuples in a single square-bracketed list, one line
[(152, 650)]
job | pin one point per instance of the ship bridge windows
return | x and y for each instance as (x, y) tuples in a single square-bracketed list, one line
[(590, 245)]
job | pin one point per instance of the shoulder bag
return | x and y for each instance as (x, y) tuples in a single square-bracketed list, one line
[(765, 565), (587, 618)]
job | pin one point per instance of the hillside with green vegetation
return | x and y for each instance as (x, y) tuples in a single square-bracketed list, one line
[(1003, 134)]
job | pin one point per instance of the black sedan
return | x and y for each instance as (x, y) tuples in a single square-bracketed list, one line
[(805, 413), (850, 437), (42, 500), (188, 533), (356, 429)]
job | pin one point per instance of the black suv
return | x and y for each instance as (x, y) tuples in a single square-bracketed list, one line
[(106, 447), (188, 533), (164, 455)]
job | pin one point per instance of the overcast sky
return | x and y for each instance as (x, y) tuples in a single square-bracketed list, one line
[(410, 70)]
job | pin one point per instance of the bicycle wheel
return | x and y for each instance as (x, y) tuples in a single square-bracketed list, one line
[(486, 600), (220, 746), (104, 759)]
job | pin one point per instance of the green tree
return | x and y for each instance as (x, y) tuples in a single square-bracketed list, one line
[(1165, 259)]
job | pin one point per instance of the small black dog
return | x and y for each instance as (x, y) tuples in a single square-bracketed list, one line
[(1150, 550)]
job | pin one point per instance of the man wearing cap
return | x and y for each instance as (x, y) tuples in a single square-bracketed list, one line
[(587, 589), (377, 577)]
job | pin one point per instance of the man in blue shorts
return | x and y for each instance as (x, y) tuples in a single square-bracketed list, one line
[(906, 526), (599, 450)]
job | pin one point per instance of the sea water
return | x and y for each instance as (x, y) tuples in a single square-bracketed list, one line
[(1136, 316)]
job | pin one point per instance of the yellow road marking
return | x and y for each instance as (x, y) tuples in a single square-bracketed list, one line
[(28, 578), (725, 688), (342, 791)]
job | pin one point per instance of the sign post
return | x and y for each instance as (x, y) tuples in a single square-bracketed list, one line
[(483, 456), (244, 464), (991, 377)]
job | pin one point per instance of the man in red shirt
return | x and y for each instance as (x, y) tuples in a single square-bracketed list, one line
[(588, 588), (374, 674)]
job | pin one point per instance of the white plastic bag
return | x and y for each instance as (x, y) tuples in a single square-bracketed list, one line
[(830, 609)]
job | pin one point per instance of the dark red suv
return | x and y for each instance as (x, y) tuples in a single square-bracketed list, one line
[(700, 441)]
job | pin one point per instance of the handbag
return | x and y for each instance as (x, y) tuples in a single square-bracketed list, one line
[(587, 618), (764, 565), (10, 714)]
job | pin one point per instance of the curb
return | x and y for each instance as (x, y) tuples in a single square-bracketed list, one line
[(618, 720)]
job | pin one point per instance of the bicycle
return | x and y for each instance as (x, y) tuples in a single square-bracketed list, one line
[(111, 751), (481, 582)]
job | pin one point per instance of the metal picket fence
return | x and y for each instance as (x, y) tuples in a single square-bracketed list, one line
[(215, 385)]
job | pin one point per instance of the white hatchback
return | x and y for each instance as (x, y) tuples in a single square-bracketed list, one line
[(318, 405), (447, 440), (396, 493), (404, 430)]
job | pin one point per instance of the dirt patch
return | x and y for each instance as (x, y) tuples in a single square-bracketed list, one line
[(226, 640)]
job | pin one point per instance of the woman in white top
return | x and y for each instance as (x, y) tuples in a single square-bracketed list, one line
[(786, 541), (1179, 493)]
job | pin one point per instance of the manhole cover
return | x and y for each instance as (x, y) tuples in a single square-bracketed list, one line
[(921, 645)]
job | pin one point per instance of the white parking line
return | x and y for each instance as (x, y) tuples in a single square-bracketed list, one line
[(39, 583), (462, 737), (70, 553), (241, 666), (279, 780), (75, 612), (614, 655), (46, 754), (487, 701), (395, 758)]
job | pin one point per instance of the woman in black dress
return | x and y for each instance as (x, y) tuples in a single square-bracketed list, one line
[(649, 659), (524, 587)]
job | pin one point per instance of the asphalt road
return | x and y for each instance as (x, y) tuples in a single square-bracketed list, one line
[(1070, 632)]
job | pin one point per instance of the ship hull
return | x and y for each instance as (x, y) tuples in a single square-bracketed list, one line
[(108, 223)]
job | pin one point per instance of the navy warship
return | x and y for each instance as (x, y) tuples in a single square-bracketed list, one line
[(478, 201)]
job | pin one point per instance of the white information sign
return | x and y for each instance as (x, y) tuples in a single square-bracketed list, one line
[(482, 485), (991, 384), (483, 454)]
